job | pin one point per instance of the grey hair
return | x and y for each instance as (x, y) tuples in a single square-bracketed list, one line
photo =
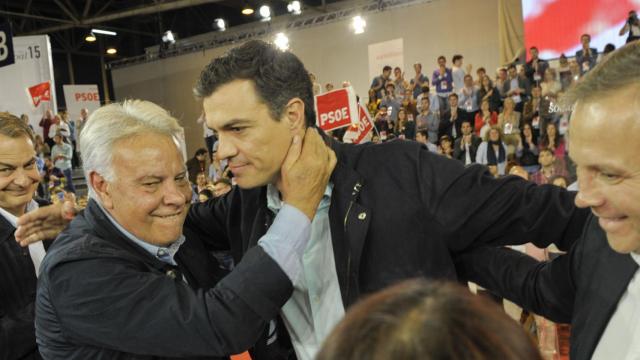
[(115, 122)]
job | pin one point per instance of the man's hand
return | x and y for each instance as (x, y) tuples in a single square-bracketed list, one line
[(306, 171), (44, 223)]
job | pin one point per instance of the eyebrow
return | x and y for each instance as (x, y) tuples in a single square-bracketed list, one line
[(31, 161), (235, 122)]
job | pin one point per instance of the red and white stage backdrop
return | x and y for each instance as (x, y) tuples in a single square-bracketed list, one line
[(555, 26)]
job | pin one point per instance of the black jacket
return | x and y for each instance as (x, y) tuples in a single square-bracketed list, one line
[(17, 297), (398, 211), (582, 287), (460, 154), (100, 296), (447, 124)]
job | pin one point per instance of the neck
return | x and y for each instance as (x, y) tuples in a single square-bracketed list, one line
[(16, 211)]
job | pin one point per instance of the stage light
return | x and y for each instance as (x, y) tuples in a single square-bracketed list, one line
[(358, 24), (90, 38), (168, 37), (295, 7), (247, 9), (220, 24), (281, 41), (112, 51), (104, 32), (265, 12)]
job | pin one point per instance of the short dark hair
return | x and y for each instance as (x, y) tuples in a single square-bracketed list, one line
[(397, 68), (201, 151), (441, 57), (453, 95), (468, 76), (424, 132), (278, 76), (533, 47), (417, 319), (587, 35), (511, 66), (386, 68), (481, 69), (206, 192), (456, 57)]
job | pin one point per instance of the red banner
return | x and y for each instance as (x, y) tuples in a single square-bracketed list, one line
[(356, 133), (336, 109), (39, 93)]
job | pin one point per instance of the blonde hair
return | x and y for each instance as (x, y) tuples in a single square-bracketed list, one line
[(118, 121)]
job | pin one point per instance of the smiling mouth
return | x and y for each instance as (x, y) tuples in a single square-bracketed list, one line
[(171, 216)]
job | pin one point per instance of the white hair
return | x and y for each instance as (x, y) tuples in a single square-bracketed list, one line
[(115, 122)]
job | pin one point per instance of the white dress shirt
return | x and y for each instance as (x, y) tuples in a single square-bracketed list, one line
[(36, 250), (621, 338)]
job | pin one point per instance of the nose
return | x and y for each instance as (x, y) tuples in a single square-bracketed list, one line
[(176, 194), (589, 194), (226, 148)]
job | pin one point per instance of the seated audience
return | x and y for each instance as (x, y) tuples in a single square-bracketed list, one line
[(529, 156), (509, 124), (466, 146), (549, 168), (488, 92), (493, 151), (451, 119), (422, 136), (553, 141), (485, 119), (446, 146), (61, 154), (420, 320), (197, 164), (427, 120)]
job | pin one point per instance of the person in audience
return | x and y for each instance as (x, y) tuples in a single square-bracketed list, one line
[(383, 123), (485, 119), (61, 154), (632, 27), (533, 106), (19, 267), (442, 79), (42, 149), (550, 86), (422, 136), (458, 72), (608, 49), (409, 104), (445, 146), (461, 206), (391, 102), (466, 146), (429, 121), (516, 88), (317, 87), (417, 319), (549, 167), (379, 82), (328, 87), (553, 141), (501, 80), (373, 103), (509, 124), (204, 195), (480, 73), (489, 93), (221, 187), (469, 97), (493, 151), (127, 251), (418, 81), (595, 285), (452, 118), (45, 124), (528, 158), (434, 100), (400, 83), (535, 68), (587, 56), (197, 164)]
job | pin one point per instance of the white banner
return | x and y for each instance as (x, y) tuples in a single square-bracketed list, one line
[(385, 53), (78, 97), (33, 66)]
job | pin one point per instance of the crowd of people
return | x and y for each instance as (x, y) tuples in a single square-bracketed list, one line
[(310, 227)]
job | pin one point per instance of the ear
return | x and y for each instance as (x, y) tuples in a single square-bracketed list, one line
[(102, 188), (294, 115)]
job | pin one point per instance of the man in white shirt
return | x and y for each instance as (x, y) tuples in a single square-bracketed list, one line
[(19, 266), (596, 286)]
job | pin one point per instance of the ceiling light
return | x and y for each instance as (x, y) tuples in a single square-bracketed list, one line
[(168, 37), (247, 9), (104, 32), (358, 24), (220, 24), (295, 7), (281, 41), (112, 51), (90, 38), (265, 12)]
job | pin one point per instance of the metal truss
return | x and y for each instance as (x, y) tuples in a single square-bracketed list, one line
[(249, 31)]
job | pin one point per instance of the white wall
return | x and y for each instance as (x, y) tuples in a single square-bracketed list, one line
[(334, 54)]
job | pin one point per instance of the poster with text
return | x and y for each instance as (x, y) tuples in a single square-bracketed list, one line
[(385, 53)]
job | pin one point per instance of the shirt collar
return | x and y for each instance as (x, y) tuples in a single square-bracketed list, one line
[(636, 257), (274, 203), (164, 254), (12, 219)]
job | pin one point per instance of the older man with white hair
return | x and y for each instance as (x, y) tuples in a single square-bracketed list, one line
[(123, 281)]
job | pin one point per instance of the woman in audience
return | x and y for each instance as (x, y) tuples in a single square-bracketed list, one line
[(373, 103), (509, 124), (485, 119), (420, 320), (490, 93), (550, 86), (446, 146), (42, 149), (492, 151), (553, 141), (401, 123), (529, 156)]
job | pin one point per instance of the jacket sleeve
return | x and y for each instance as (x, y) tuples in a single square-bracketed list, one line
[(17, 334), (545, 288), (474, 209), (110, 303)]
